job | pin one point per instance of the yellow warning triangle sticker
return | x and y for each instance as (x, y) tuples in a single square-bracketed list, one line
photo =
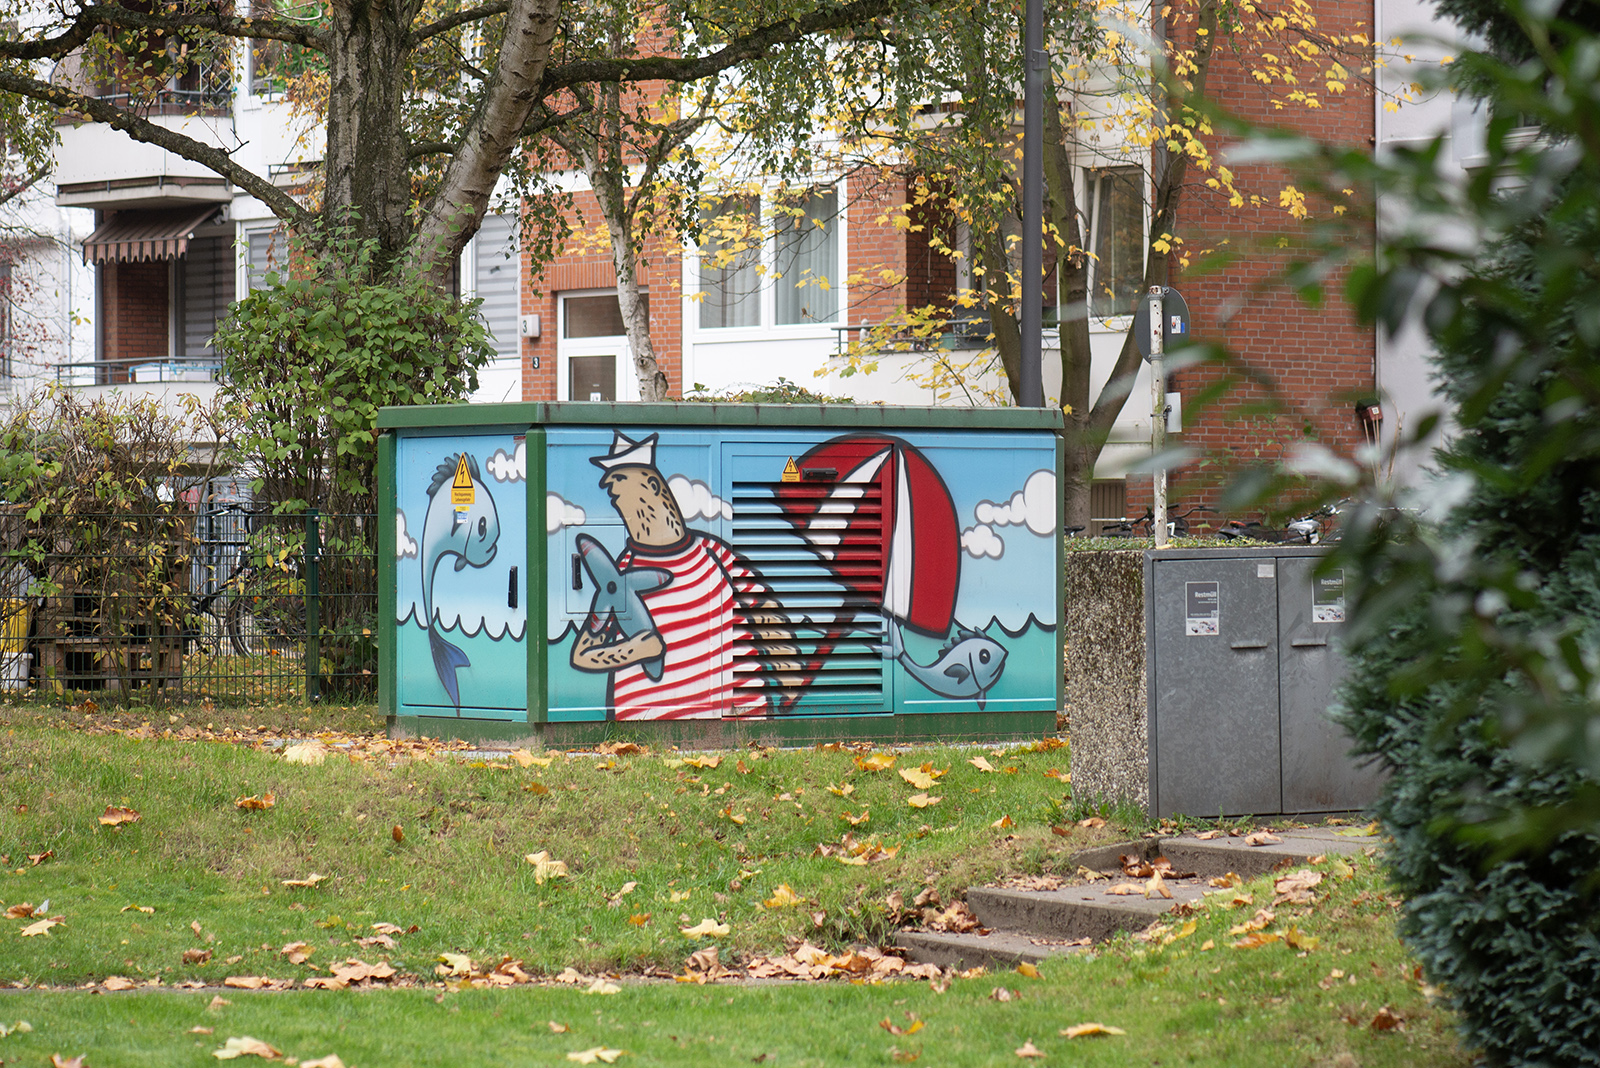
[(791, 473), (462, 494)]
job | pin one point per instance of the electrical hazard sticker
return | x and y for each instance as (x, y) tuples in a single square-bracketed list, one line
[(791, 473), (462, 495)]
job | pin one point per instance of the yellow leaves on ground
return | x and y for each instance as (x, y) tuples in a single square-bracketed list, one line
[(536, 788), (1003, 823), (116, 817), (41, 927), (639, 919), (731, 816), (595, 1054), (22, 910), (922, 778), (1059, 776), (312, 752), (1089, 1030), (309, 881), (898, 1031), (615, 900), (922, 800), (1371, 830), (706, 928), (1260, 920), (1262, 838), (453, 964), (842, 791), (602, 986), (1296, 888), (1300, 940), (558, 1028), (546, 867), (875, 761), (1028, 969), (526, 759), (704, 763), (255, 803), (58, 1061), (855, 821), (1028, 1049), (297, 952), (330, 1061), (245, 1047), (784, 897), (981, 764)]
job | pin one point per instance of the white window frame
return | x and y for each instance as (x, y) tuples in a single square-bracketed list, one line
[(627, 386), (1087, 204), (767, 327)]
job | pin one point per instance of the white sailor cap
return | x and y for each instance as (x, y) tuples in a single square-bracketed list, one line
[(626, 451)]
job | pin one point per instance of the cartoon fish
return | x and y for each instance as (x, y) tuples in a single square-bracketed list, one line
[(470, 536), (966, 667), (617, 596)]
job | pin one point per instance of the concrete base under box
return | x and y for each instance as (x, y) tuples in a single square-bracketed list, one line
[(737, 733), (1106, 704)]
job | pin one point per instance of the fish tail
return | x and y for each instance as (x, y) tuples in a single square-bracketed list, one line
[(447, 660), (896, 647)]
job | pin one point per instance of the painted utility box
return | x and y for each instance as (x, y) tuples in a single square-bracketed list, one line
[(764, 571)]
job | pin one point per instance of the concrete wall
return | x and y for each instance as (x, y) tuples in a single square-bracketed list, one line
[(1107, 714)]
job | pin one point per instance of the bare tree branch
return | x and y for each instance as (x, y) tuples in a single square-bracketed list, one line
[(141, 129), (26, 184), (460, 18), (96, 16), (752, 45)]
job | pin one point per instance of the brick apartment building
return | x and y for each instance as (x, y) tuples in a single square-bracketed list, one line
[(175, 246)]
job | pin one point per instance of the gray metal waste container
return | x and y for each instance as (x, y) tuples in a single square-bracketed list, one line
[(1243, 658)]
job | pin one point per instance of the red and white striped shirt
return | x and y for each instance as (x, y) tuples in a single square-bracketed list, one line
[(695, 614)]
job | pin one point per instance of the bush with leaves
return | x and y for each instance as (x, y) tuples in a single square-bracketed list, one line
[(1474, 634), (312, 356)]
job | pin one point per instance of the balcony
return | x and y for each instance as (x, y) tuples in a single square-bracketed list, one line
[(98, 167)]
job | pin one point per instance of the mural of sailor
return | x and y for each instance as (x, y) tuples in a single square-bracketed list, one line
[(462, 523), (674, 612), (881, 519)]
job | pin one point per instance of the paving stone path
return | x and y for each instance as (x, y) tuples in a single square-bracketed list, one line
[(1031, 924)]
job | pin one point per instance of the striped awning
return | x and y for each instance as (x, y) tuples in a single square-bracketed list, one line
[(146, 234)]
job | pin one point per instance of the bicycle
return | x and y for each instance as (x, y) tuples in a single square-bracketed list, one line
[(258, 606), (1177, 524)]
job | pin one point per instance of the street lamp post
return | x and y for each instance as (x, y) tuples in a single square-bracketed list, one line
[(1030, 390)]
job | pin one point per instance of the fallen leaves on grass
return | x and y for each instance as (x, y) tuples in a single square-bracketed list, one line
[(922, 800), (21, 1027), (875, 761), (639, 919), (1257, 939), (351, 972), (1386, 1019), (1028, 970), (137, 908), (1371, 830), (1261, 919), (22, 910), (308, 882), (297, 952), (545, 867), (898, 1031), (783, 897), (731, 816), (1003, 823), (703, 763), (1089, 1030), (602, 986), (255, 803), (116, 817), (312, 752), (1300, 940), (196, 956), (594, 1054), (1092, 822), (981, 764), (1296, 888), (1262, 838), (615, 900), (843, 791), (855, 821), (806, 961), (330, 1061), (58, 1061), (922, 778), (42, 927), (118, 983), (850, 851), (1226, 882), (1028, 1049), (36, 859), (245, 1046), (536, 788), (706, 928), (558, 1028)]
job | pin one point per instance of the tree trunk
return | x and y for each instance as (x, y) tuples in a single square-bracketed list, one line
[(365, 160), (611, 194)]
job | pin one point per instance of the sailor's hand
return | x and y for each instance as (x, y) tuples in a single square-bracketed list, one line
[(591, 652)]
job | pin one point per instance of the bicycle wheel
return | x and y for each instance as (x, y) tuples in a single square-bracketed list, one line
[(243, 631)]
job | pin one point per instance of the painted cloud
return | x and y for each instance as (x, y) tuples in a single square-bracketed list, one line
[(505, 468), (559, 512), (1034, 505), (981, 541), (697, 500), (405, 544)]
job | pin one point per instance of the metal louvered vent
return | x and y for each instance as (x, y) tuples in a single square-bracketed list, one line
[(829, 582)]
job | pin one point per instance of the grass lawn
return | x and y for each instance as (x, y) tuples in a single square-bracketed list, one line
[(193, 891)]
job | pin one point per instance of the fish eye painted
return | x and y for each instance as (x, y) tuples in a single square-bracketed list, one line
[(611, 587), (983, 656), (483, 526)]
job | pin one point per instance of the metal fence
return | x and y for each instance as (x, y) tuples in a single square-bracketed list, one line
[(217, 603)]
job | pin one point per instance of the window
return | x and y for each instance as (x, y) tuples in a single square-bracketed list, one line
[(272, 65), (800, 249), (730, 260), (807, 249), (1115, 202), (266, 249)]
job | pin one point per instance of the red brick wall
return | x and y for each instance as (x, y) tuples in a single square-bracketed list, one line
[(136, 315), (592, 268), (1316, 361)]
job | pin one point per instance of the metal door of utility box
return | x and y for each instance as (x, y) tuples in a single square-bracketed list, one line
[(1243, 659), (721, 563)]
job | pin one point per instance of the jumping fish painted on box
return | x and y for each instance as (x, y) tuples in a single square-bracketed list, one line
[(692, 572)]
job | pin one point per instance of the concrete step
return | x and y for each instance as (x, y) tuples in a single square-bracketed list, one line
[(996, 950), (1029, 925)]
